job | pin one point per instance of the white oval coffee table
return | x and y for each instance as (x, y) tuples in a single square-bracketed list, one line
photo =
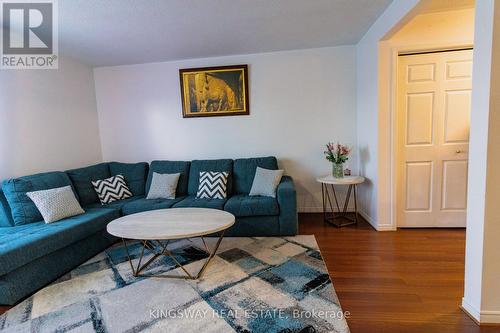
[(156, 228)]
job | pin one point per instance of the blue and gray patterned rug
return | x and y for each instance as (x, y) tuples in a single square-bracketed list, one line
[(266, 284)]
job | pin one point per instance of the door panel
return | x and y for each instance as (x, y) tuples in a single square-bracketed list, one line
[(419, 118), (433, 112), (457, 116), (421, 73), (418, 186), (454, 191), (458, 70)]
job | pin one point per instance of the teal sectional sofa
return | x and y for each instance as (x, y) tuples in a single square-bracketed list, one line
[(33, 253)]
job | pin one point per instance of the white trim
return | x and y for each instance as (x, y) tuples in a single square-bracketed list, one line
[(378, 227), (320, 209), (309, 209), (386, 227), (368, 218), (392, 167), (481, 317), (490, 317), (470, 309)]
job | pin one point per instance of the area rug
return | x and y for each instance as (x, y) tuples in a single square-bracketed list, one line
[(268, 284)]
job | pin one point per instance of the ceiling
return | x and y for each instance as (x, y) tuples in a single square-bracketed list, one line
[(118, 32)]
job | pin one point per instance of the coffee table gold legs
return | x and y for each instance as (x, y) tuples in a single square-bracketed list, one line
[(211, 255), (150, 246)]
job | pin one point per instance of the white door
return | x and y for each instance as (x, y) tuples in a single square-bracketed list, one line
[(433, 114)]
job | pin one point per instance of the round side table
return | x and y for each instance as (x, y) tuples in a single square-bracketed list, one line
[(335, 217)]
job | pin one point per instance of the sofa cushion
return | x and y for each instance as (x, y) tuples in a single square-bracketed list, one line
[(244, 171), (5, 213), (116, 205), (20, 245), (135, 175), (171, 167), (198, 166), (244, 205), (143, 204), (192, 201), (23, 209), (82, 181)]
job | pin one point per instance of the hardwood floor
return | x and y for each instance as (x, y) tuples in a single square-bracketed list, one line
[(406, 281)]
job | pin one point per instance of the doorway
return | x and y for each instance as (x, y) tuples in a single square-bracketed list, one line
[(432, 136)]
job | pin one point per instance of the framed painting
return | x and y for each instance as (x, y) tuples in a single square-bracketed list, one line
[(214, 91)]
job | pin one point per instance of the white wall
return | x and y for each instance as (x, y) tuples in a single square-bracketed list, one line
[(299, 100), (48, 119), (368, 83), (482, 270)]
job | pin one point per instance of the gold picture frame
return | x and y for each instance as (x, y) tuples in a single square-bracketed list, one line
[(214, 91)]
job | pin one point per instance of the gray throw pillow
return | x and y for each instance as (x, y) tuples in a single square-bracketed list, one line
[(56, 204), (163, 186), (265, 182)]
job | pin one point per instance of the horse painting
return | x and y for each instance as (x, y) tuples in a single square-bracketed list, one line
[(214, 91)]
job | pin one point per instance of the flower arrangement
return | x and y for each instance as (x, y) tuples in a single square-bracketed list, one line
[(337, 153)]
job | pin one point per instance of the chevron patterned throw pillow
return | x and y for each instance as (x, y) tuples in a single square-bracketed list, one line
[(112, 189), (213, 185)]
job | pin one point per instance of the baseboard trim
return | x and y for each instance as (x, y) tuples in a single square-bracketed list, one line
[(368, 218), (310, 210), (483, 318), (470, 310), (386, 227), (320, 210), (490, 318)]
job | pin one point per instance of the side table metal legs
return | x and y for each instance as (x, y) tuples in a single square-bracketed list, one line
[(333, 216), (160, 249)]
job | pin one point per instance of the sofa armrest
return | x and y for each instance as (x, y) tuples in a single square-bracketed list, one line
[(287, 200)]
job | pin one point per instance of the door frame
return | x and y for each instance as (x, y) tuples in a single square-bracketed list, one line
[(392, 164)]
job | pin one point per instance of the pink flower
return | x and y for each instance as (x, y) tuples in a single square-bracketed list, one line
[(344, 150), (337, 153)]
